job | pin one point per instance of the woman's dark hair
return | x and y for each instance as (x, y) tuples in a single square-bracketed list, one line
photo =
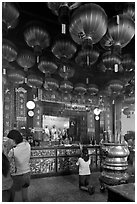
[(16, 136), (85, 155), (5, 165)]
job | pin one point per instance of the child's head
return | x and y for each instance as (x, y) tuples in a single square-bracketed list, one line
[(85, 155)]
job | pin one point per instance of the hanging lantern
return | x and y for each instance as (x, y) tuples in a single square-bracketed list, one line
[(62, 10), (66, 72), (129, 99), (121, 28), (116, 86), (9, 51), (10, 14), (26, 59), (128, 63), (47, 67), (129, 10), (80, 88), (6, 66), (112, 61), (66, 86), (88, 24), (64, 49), (86, 57), (34, 81), (92, 89), (106, 42), (16, 76), (51, 84), (37, 38)]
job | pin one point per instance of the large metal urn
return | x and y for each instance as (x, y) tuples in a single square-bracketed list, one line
[(114, 163)]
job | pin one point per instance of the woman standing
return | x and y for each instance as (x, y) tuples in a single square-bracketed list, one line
[(21, 154)]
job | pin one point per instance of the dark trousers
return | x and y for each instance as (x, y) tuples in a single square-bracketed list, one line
[(84, 180), (8, 195)]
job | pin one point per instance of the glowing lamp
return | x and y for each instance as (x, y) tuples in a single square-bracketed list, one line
[(30, 105)]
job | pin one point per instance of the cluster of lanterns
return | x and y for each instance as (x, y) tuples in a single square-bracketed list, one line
[(87, 26)]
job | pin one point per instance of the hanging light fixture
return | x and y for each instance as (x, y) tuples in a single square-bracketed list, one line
[(47, 67), (34, 81), (116, 86), (80, 88), (62, 10), (51, 84), (121, 29), (129, 99), (112, 61), (37, 38), (129, 10), (92, 89), (66, 86), (64, 49), (9, 50), (10, 14), (26, 59), (66, 72), (128, 63), (87, 57), (88, 24), (30, 105), (16, 76), (106, 42)]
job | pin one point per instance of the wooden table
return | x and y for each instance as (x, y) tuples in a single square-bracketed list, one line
[(121, 193)]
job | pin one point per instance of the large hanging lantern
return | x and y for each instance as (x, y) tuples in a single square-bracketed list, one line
[(16, 76), (121, 28), (88, 24), (34, 81), (26, 59), (9, 51), (112, 61), (37, 38), (128, 63), (10, 14), (92, 89), (66, 72), (47, 67), (62, 10), (66, 86), (80, 88), (129, 10), (51, 84), (64, 49), (116, 86), (87, 57)]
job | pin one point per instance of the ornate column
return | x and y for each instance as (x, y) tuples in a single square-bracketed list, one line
[(21, 111)]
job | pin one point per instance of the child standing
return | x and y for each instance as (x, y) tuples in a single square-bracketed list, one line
[(84, 171)]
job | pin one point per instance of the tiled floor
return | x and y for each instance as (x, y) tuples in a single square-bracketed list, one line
[(64, 189)]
